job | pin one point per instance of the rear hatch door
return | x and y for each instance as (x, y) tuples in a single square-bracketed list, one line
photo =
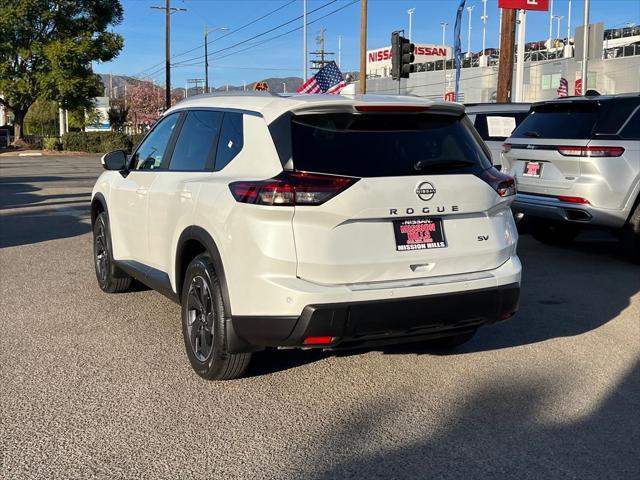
[(418, 208)]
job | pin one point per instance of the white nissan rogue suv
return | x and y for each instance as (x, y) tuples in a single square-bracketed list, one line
[(310, 221)]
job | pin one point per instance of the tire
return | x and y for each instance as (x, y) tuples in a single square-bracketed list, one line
[(552, 232), (204, 326), (111, 279), (449, 343), (631, 235)]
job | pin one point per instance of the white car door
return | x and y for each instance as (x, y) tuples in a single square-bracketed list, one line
[(129, 198)]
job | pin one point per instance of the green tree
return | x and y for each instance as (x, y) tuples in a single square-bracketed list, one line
[(46, 50), (41, 118)]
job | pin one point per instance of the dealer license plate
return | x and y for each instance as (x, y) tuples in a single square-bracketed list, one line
[(419, 234)]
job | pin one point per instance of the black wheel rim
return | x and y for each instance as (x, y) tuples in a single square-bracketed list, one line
[(101, 253), (200, 319)]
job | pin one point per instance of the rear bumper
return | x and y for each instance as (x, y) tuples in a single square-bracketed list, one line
[(553, 209), (377, 322)]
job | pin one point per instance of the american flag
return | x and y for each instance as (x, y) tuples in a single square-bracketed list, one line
[(329, 79), (563, 89)]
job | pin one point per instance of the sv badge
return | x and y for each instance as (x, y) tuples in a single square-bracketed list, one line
[(483, 238)]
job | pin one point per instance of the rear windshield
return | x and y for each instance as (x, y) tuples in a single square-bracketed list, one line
[(553, 120), (386, 145)]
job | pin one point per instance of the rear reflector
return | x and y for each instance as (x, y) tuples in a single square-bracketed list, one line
[(317, 340), (503, 184), (391, 108), (580, 200), (591, 151), (291, 188)]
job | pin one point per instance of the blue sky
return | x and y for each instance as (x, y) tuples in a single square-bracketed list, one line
[(143, 31)]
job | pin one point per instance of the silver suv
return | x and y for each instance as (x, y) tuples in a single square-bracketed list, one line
[(577, 163)]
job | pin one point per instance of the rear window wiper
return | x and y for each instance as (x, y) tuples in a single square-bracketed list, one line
[(422, 165), (532, 134)]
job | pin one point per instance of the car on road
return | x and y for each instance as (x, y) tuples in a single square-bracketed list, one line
[(577, 164), (310, 221), (495, 122)]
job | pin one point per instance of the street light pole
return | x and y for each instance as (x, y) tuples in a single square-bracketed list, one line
[(304, 40), (484, 26), (550, 24), (569, 22), (410, 12), (585, 47), (469, 9), (444, 67), (363, 47), (168, 10), (206, 53), (558, 18)]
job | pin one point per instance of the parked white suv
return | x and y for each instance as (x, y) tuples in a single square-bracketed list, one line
[(310, 221)]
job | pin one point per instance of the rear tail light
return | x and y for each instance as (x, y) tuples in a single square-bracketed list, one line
[(503, 184), (506, 147), (591, 151), (291, 188), (580, 200)]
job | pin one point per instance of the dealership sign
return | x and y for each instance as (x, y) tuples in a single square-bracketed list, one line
[(542, 5), (381, 58)]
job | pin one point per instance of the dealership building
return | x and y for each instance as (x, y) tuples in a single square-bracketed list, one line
[(379, 60)]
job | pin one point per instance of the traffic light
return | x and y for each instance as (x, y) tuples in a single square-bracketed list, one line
[(401, 56)]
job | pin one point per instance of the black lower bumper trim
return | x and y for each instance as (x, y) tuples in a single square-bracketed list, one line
[(379, 321)]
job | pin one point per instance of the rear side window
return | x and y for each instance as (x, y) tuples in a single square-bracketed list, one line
[(385, 145), (559, 120), (231, 139), (632, 130), (497, 126), (196, 144)]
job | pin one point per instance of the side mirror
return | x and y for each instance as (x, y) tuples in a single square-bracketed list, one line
[(116, 160)]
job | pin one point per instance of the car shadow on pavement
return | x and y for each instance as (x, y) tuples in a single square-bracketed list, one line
[(42, 225), (511, 428)]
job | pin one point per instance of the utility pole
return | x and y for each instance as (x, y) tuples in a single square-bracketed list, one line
[(585, 48), (363, 46), (206, 54), (322, 53), (196, 82), (469, 9), (168, 10), (444, 66), (410, 12), (522, 24), (505, 68), (304, 41)]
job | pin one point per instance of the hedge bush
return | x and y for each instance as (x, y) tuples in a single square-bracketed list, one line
[(96, 142), (51, 143), (136, 138)]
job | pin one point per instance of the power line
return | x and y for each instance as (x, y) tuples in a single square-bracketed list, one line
[(284, 33), (222, 36), (186, 62), (266, 31)]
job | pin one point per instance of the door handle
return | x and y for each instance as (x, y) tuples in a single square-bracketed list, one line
[(185, 194), (142, 191)]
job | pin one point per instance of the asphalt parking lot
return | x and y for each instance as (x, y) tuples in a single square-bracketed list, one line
[(98, 386)]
